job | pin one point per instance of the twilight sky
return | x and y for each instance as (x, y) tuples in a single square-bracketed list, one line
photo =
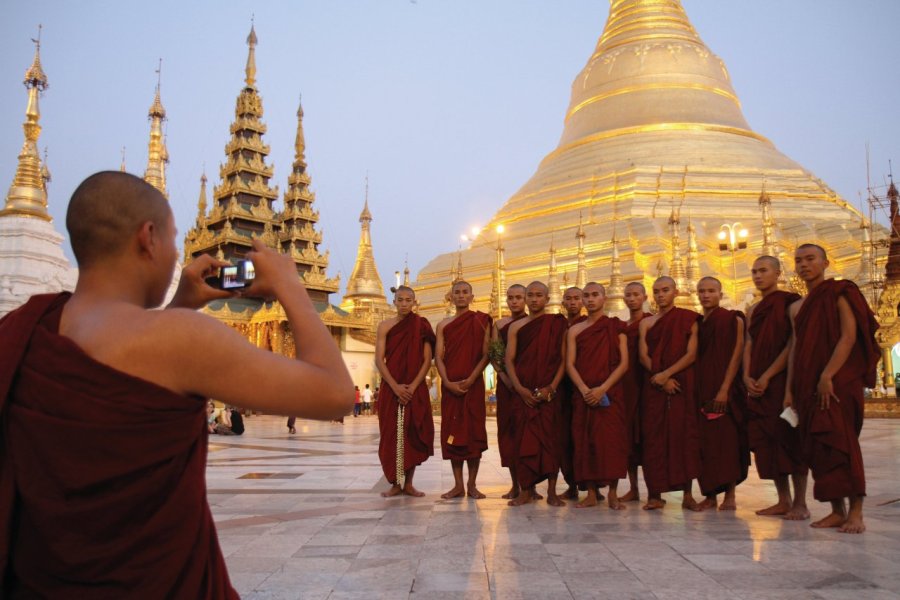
[(449, 105)]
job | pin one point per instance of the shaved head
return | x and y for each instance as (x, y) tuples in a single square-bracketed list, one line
[(638, 285), (665, 279), (456, 284), (813, 246), (541, 285), (595, 285), (515, 286), (711, 279), (571, 289), (773, 262), (107, 209), (404, 288)]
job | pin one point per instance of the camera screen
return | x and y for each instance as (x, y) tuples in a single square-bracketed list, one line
[(249, 272), (230, 278)]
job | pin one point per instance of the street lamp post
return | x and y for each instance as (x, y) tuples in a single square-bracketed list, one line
[(733, 237)]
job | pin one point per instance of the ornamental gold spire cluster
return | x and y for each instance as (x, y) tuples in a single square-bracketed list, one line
[(554, 298), (157, 153), (365, 283), (243, 203), (27, 195), (581, 278)]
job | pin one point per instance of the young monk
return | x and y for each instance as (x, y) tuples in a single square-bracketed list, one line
[(596, 361), (535, 359), (724, 456), (509, 413), (403, 351), (103, 404), (461, 355), (668, 349), (573, 305), (775, 444), (833, 357), (632, 383)]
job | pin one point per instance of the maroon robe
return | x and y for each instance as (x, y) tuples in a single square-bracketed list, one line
[(102, 475), (404, 353), (463, 428), (509, 413), (600, 432), (724, 455), (671, 446), (538, 357), (566, 442), (831, 437), (632, 383), (775, 444)]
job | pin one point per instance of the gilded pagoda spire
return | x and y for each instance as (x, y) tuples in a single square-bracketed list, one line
[(406, 273), (615, 295), (157, 154), (581, 272), (250, 69), (27, 195), (365, 282), (892, 268), (676, 268), (201, 202), (122, 163), (768, 224), (693, 265), (554, 299), (498, 283)]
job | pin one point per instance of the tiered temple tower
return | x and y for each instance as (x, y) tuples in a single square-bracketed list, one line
[(31, 256), (157, 153), (888, 311), (243, 210), (655, 109)]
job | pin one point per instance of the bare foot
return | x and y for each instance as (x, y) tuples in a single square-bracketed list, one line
[(728, 504), (590, 500), (707, 503), (614, 503), (395, 490), (654, 504), (781, 508), (832, 520), (853, 524), (457, 492), (571, 493), (409, 490), (797, 513), (523, 498), (690, 504), (554, 500), (474, 493), (631, 496), (512, 493), (535, 495)]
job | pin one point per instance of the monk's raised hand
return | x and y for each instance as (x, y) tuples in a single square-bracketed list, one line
[(193, 292), (276, 273)]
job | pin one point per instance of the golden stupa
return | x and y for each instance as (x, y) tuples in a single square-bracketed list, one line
[(654, 159)]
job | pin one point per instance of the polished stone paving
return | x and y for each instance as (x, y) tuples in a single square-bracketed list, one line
[(300, 516)]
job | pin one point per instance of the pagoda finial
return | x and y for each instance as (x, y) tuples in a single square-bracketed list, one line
[(365, 217), (157, 154), (27, 194), (365, 282), (581, 272), (122, 164), (250, 70), (300, 140), (615, 295), (676, 267), (406, 271), (693, 264), (554, 299), (201, 202)]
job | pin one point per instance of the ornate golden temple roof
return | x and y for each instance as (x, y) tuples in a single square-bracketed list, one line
[(157, 153), (27, 195), (654, 124)]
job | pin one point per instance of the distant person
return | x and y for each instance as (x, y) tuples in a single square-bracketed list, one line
[(357, 404), (367, 400), (108, 396)]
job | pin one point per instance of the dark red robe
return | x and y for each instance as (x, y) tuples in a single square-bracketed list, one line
[(775, 444), (671, 444), (404, 353), (600, 432), (566, 443), (102, 475), (538, 357), (831, 437), (632, 383), (509, 413), (463, 428), (724, 453)]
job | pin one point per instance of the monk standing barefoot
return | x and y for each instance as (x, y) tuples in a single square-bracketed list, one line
[(461, 355), (833, 357), (572, 305), (724, 456), (635, 297), (509, 411), (403, 350), (775, 444), (596, 361), (668, 349), (535, 360)]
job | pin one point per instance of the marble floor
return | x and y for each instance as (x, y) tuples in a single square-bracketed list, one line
[(299, 516)]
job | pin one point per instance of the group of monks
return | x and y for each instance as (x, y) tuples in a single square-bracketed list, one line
[(685, 396)]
